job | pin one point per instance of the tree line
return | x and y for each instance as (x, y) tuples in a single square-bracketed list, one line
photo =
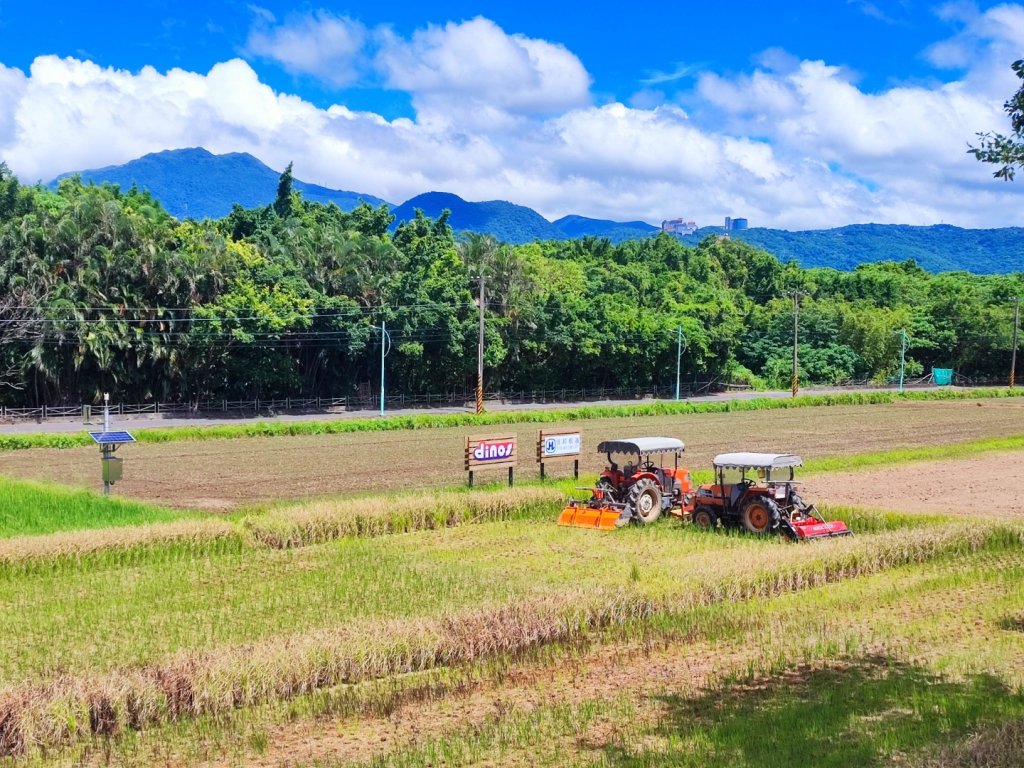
[(102, 291)]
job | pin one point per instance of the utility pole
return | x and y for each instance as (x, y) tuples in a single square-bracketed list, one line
[(106, 448), (480, 353), (1013, 354), (385, 347), (679, 355), (796, 334), (903, 355)]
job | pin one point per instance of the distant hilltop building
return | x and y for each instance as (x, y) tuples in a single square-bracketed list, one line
[(731, 223), (679, 227)]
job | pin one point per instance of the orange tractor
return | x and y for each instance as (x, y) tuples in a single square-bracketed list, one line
[(757, 492), (639, 490)]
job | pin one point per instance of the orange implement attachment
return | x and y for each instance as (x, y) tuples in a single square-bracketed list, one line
[(585, 516)]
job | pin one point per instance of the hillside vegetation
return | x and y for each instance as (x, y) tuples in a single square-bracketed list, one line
[(102, 290), (937, 248), (195, 183)]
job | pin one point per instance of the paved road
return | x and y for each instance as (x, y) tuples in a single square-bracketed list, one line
[(150, 421)]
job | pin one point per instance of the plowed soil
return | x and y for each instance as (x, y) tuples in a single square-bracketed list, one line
[(990, 485), (224, 474)]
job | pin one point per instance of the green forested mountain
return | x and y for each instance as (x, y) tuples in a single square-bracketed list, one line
[(508, 222), (102, 290), (937, 248), (195, 183), (616, 231)]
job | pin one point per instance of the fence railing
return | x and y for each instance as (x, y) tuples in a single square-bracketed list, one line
[(461, 398), (357, 402)]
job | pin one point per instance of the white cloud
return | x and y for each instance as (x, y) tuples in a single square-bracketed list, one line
[(12, 86), (988, 40), (319, 44), (793, 144), (476, 62), (680, 71)]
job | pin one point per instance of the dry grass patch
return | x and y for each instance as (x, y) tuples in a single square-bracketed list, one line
[(320, 521), (26, 553)]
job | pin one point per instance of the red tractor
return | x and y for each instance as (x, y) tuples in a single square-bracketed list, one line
[(639, 490), (762, 503)]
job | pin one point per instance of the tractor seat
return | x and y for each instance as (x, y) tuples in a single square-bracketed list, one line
[(737, 492)]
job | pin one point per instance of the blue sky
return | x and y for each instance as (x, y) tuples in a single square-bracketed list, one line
[(796, 115)]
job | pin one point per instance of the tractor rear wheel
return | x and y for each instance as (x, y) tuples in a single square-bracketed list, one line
[(761, 515), (644, 500), (703, 518)]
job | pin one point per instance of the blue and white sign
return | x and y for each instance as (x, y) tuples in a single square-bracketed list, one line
[(561, 445)]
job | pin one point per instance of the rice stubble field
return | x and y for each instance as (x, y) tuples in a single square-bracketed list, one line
[(453, 628)]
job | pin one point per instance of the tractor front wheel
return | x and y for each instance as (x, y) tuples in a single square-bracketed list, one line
[(703, 518), (761, 515), (645, 500)]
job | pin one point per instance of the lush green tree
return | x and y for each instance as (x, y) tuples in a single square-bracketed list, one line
[(284, 203), (101, 290), (1006, 151)]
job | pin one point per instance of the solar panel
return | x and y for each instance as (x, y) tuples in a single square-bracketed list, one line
[(111, 438)]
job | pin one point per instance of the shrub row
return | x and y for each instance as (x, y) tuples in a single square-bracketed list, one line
[(432, 421)]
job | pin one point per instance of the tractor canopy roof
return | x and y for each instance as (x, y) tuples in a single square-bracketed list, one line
[(748, 460), (641, 445)]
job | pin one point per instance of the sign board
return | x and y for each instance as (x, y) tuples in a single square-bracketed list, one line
[(491, 452), (563, 444), (558, 445)]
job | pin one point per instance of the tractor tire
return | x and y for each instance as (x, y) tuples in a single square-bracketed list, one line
[(644, 500), (704, 518), (761, 515)]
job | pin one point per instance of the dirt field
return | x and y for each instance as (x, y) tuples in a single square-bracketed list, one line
[(223, 474), (991, 485)]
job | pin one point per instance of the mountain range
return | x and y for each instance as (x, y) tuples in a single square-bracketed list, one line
[(196, 183), (199, 184)]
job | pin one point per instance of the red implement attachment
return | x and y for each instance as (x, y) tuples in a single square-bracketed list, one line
[(810, 528)]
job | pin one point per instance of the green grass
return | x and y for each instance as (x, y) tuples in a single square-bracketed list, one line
[(30, 508), (429, 421), (864, 713), (907, 455), (833, 717)]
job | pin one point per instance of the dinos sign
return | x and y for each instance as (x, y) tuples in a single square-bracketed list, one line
[(491, 453)]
